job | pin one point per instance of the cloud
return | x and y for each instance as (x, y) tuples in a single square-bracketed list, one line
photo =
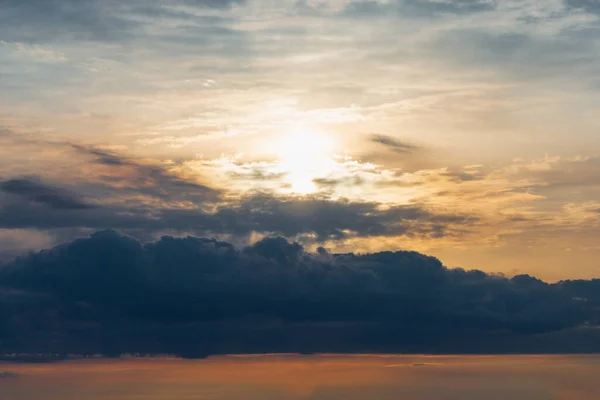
[(6, 133), (94, 19), (37, 192), (590, 6), (103, 157), (35, 52), (556, 172), (432, 7), (321, 218), (465, 175), (142, 195), (332, 219), (417, 8), (84, 20), (523, 56), (148, 178), (214, 3), (394, 144), (14, 242), (159, 296), (8, 375), (332, 183), (447, 208)]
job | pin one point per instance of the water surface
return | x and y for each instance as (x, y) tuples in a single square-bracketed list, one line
[(294, 377)]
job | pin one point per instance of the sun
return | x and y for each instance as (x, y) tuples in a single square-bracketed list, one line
[(304, 155)]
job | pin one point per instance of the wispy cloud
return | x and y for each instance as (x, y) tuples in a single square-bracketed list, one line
[(35, 191), (394, 144)]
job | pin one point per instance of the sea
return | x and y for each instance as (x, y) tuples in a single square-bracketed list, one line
[(300, 377)]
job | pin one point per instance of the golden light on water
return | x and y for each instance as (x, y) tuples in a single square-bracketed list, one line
[(323, 377)]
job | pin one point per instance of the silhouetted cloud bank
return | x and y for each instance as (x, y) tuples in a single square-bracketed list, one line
[(27, 203), (29, 190), (109, 293)]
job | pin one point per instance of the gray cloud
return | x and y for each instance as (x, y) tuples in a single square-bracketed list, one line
[(417, 8), (57, 19), (591, 6), (35, 191), (463, 176), (524, 57), (103, 157), (263, 213), (4, 132), (580, 173), (429, 7), (257, 175), (331, 183), (89, 20), (150, 179), (329, 219), (214, 3), (394, 144)]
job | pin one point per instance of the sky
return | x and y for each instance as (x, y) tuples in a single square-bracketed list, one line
[(325, 377), (463, 129)]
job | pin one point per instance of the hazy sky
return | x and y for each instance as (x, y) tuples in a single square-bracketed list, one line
[(311, 378), (465, 129)]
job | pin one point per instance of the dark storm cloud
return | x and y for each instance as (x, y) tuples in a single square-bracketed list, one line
[(195, 296), (394, 144), (34, 191)]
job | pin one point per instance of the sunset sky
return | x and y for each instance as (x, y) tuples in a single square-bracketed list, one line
[(463, 129)]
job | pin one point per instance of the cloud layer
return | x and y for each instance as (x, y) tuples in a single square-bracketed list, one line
[(110, 293), (36, 192)]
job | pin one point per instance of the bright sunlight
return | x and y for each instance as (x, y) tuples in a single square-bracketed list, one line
[(304, 155)]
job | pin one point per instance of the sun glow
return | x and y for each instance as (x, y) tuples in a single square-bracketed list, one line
[(304, 155)]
